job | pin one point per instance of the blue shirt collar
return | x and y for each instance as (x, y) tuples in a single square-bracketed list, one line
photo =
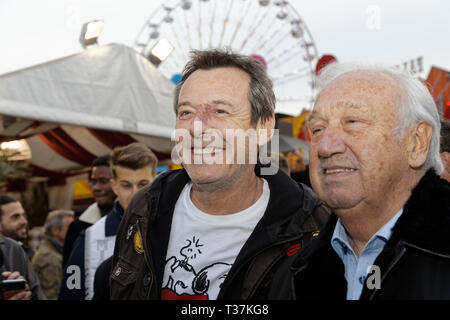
[(386, 231), (340, 234)]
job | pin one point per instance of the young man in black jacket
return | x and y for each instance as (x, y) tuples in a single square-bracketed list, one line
[(99, 178), (374, 159), (132, 167), (220, 227)]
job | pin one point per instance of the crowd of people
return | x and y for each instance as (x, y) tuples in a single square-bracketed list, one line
[(374, 225)]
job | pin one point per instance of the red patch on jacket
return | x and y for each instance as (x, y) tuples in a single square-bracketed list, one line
[(293, 249)]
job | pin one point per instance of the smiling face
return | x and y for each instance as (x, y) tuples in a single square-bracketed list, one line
[(13, 221), (356, 156), (212, 103), (99, 183)]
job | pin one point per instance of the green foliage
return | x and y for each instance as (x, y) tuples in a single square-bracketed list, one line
[(12, 169)]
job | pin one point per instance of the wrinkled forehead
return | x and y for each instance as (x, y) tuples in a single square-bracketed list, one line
[(228, 79), (361, 89)]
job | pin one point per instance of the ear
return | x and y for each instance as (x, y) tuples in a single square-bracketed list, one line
[(54, 231), (419, 144), (264, 128)]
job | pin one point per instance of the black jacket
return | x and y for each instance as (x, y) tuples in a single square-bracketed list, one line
[(414, 264), (71, 236), (288, 222), (77, 256)]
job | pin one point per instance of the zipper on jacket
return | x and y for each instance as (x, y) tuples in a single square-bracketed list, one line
[(146, 258)]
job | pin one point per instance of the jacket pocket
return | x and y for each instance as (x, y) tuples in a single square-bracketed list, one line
[(123, 279)]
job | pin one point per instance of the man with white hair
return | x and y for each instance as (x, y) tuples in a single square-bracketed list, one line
[(374, 160), (47, 262)]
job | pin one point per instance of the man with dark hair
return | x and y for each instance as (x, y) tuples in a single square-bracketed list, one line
[(47, 262), (104, 199), (132, 167), (445, 149), (13, 222), (216, 229)]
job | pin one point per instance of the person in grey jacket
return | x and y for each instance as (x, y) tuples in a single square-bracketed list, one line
[(14, 264)]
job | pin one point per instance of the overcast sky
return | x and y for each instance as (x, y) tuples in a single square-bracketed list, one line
[(392, 32)]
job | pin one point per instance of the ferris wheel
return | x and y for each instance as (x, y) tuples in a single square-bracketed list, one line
[(271, 31)]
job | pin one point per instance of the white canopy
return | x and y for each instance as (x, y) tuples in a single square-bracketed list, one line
[(111, 87), (76, 108)]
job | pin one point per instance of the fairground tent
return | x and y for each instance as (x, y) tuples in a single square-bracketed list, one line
[(76, 108)]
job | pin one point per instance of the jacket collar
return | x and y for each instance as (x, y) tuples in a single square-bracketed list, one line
[(113, 219), (91, 214), (425, 220), (52, 243), (280, 219)]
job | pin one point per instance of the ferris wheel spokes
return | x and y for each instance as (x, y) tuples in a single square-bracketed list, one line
[(253, 29), (272, 31), (225, 22), (238, 25)]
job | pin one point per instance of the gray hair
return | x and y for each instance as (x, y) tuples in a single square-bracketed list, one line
[(55, 219), (260, 95), (416, 103)]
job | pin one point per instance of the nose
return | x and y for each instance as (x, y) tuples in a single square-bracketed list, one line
[(202, 119), (135, 188), (330, 143), (197, 127), (96, 186), (23, 220), (204, 113)]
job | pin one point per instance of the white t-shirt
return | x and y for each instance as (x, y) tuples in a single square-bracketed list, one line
[(203, 247)]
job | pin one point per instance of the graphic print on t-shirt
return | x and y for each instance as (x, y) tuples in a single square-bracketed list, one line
[(181, 280)]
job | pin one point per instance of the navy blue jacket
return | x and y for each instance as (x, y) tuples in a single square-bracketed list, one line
[(77, 256)]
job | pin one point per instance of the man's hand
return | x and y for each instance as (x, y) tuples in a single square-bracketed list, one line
[(16, 295)]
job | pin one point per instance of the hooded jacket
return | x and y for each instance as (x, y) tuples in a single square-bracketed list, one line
[(414, 264), (293, 215)]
